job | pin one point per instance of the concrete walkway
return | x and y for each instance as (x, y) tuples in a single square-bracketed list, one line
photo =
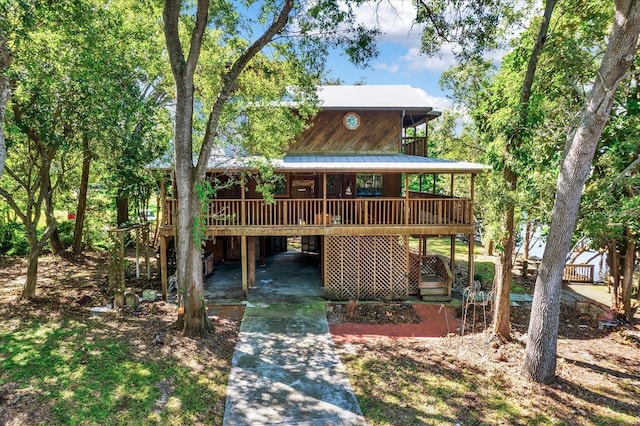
[(286, 370)]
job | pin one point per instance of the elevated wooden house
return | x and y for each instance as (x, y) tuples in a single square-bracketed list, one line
[(357, 185)]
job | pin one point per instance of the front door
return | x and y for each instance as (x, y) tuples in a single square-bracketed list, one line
[(301, 211), (342, 187)]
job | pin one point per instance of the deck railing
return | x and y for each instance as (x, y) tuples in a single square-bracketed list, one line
[(352, 212), (578, 273), (415, 145)]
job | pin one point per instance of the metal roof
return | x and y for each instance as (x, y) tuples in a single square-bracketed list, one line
[(375, 163), (341, 163), (389, 97)]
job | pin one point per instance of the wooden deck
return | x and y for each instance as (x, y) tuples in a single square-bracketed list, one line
[(364, 216)]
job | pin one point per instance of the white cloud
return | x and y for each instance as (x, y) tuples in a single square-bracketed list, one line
[(438, 103), (390, 68), (416, 61)]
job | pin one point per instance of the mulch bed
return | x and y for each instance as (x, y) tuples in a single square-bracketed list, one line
[(391, 320)]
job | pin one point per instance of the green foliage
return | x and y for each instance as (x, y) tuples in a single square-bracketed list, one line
[(13, 241), (565, 70), (65, 231), (469, 27)]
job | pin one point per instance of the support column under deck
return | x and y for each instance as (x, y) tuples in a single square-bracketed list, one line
[(163, 266), (251, 261), (243, 261)]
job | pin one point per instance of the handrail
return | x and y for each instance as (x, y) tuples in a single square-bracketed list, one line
[(578, 272), (310, 212)]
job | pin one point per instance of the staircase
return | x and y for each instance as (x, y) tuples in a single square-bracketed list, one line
[(435, 279)]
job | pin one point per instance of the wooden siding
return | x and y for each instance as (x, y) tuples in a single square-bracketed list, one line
[(379, 132)]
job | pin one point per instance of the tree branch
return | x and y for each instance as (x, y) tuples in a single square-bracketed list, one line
[(433, 20), (12, 202), (171, 17), (230, 79), (195, 46)]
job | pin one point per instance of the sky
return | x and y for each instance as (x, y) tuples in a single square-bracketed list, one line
[(400, 61)]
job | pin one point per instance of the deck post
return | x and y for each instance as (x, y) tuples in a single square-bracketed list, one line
[(325, 212), (243, 261), (451, 188), (406, 198), (145, 240), (163, 266), (251, 261), (243, 206)]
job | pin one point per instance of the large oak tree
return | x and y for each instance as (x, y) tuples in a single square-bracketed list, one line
[(541, 349), (244, 41)]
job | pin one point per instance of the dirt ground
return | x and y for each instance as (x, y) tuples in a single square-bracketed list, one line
[(588, 358)]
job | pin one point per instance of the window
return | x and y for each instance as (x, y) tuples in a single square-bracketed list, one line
[(369, 185), (281, 186)]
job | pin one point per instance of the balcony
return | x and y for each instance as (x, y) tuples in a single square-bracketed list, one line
[(374, 216)]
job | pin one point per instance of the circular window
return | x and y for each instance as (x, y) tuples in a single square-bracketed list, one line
[(351, 121)]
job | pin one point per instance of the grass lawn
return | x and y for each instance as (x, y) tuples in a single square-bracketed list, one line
[(60, 366), (87, 372)]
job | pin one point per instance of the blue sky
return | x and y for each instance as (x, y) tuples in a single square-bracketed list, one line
[(400, 61)]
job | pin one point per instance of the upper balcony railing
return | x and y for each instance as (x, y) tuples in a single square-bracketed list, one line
[(320, 212), (415, 145)]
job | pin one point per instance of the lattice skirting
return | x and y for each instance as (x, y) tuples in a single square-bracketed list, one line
[(367, 267)]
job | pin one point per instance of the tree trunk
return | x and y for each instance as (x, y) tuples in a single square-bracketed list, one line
[(525, 250), (55, 243), (122, 209), (502, 312), (504, 268), (29, 289), (6, 58), (82, 196), (54, 240), (540, 352), (629, 263), (614, 274), (489, 248), (188, 259)]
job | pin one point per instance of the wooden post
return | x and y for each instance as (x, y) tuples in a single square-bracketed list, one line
[(325, 212), (406, 199), (163, 266), (145, 240), (162, 214), (251, 261), (243, 207), (137, 251), (451, 185), (243, 260)]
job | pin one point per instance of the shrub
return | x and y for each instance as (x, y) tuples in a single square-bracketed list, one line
[(13, 239)]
